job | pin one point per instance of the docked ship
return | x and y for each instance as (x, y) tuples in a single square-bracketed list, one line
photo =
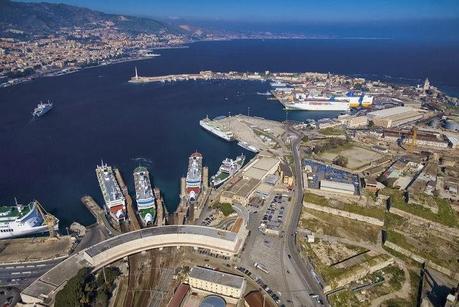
[(248, 147), (227, 170), (278, 84), (329, 103), (23, 220), (267, 93), (41, 109), (194, 176), (115, 204), (226, 135), (145, 198)]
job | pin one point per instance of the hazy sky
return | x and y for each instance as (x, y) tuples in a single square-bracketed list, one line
[(279, 10)]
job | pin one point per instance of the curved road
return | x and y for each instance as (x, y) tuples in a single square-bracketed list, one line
[(302, 267)]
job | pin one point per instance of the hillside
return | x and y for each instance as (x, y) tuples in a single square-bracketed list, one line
[(26, 19)]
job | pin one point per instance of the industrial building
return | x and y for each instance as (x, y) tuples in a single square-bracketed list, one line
[(225, 284), (337, 187), (394, 117), (258, 171), (423, 138)]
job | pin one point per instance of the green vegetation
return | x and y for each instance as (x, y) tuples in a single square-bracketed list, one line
[(315, 199), (225, 208), (446, 215), (332, 145), (340, 161), (375, 212), (332, 131), (399, 239), (344, 298), (85, 289), (411, 302)]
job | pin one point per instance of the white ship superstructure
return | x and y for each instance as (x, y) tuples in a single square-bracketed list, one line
[(328, 103), (144, 196), (22, 220), (194, 176), (224, 134), (115, 203)]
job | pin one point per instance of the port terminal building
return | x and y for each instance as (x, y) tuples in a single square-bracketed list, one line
[(230, 286), (394, 117), (252, 179)]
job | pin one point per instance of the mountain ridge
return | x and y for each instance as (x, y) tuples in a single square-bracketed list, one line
[(43, 18)]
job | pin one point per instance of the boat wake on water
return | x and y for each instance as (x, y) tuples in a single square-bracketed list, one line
[(142, 160)]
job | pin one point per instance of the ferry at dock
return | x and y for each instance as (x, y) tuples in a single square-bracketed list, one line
[(227, 169), (194, 176), (23, 220), (328, 103), (145, 198), (206, 123), (115, 203)]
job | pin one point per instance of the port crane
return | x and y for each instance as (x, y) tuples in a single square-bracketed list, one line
[(49, 219)]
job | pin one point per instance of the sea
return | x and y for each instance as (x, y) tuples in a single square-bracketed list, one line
[(99, 116)]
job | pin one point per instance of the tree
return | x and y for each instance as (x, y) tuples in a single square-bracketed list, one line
[(340, 160)]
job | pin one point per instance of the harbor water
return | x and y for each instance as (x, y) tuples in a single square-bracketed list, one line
[(98, 115)]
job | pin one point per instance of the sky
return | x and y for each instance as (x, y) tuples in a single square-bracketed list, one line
[(279, 10)]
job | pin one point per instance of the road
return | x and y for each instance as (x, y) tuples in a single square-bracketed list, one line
[(21, 275), (300, 265)]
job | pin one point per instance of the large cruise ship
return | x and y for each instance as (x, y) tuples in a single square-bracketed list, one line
[(226, 135), (115, 204), (194, 176), (227, 170), (23, 220), (144, 196), (329, 103)]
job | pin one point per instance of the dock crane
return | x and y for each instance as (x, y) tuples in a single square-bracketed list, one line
[(50, 220)]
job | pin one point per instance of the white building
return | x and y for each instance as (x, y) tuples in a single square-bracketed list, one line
[(221, 283), (337, 187)]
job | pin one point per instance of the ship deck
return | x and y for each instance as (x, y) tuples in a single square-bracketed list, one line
[(142, 184)]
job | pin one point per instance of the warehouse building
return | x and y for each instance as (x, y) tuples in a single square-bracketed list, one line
[(222, 283), (394, 117), (337, 187)]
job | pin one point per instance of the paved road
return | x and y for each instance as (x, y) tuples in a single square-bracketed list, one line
[(300, 265), (21, 275)]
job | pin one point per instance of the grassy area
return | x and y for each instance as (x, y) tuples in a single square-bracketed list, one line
[(332, 131), (446, 215), (349, 207), (344, 298), (315, 199), (225, 208), (341, 227), (399, 239), (411, 302)]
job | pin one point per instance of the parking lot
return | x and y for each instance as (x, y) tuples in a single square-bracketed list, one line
[(274, 216), (320, 171)]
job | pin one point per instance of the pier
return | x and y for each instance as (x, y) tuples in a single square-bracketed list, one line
[(133, 220), (98, 214)]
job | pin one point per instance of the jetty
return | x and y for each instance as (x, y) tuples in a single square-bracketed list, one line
[(133, 220), (98, 214)]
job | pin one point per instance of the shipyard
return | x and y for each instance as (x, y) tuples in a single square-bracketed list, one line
[(277, 223)]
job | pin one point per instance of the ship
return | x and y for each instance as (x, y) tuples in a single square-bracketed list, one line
[(115, 203), (24, 220), (278, 84), (227, 169), (194, 176), (329, 103), (41, 109), (224, 134), (145, 198), (248, 147), (267, 93)]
